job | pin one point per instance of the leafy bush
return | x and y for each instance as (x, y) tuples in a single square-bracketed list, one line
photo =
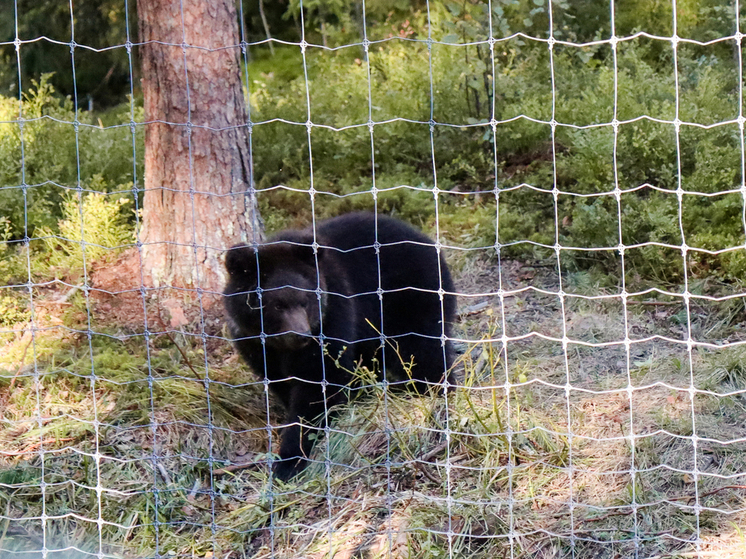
[(92, 225), (13, 260), (582, 160), (46, 155), (461, 84), (13, 310)]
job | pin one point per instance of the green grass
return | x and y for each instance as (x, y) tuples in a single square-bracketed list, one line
[(134, 419)]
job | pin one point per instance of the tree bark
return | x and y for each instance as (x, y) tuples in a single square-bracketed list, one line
[(197, 159)]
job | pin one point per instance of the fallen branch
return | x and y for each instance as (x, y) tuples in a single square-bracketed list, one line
[(173, 341)]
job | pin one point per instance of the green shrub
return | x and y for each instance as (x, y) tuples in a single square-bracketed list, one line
[(13, 309), (460, 86), (92, 225), (582, 160), (44, 153)]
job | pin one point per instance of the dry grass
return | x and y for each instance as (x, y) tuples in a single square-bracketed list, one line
[(127, 452)]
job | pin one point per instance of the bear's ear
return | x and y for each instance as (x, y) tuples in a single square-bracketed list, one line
[(240, 260), (304, 252), (298, 246)]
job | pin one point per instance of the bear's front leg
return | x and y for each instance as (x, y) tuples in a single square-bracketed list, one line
[(305, 412), (307, 405)]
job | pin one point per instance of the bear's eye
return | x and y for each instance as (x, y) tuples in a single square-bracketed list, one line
[(279, 306)]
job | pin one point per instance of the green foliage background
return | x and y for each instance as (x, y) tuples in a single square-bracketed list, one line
[(519, 83)]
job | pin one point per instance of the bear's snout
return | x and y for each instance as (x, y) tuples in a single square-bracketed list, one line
[(296, 329), (292, 341)]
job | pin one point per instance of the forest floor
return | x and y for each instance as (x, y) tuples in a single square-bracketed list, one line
[(132, 445)]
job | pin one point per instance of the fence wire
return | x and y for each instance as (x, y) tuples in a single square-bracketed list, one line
[(585, 422)]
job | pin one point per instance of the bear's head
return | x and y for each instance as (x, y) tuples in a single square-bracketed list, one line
[(272, 289)]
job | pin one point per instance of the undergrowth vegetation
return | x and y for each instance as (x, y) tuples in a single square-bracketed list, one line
[(470, 161), (175, 433), (460, 87), (56, 150)]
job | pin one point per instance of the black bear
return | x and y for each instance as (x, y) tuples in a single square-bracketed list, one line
[(304, 319)]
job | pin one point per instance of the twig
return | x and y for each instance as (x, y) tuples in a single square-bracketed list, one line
[(692, 497), (234, 468), (20, 365), (703, 495), (697, 554), (604, 517), (684, 497), (720, 489), (173, 341), (434, 452), (474, 309), (266, 27), (164, 473), (65, 299)]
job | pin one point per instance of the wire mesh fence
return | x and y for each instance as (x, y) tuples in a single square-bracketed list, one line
[(585, 186)]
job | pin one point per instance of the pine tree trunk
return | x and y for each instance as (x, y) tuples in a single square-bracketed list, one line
[(196, 148)]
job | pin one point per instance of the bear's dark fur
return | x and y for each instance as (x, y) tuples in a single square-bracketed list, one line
[(320, 315)]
